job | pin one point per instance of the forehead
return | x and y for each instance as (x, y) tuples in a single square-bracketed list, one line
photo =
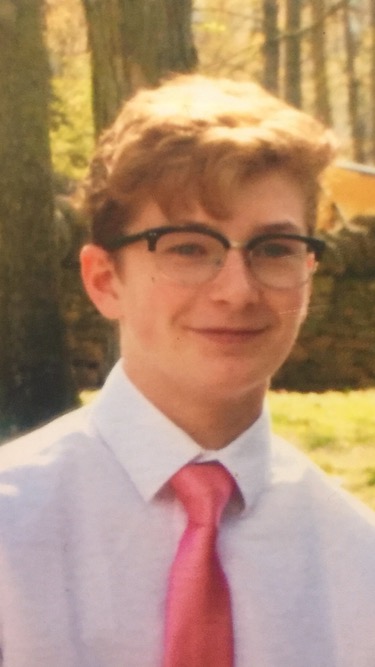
[(264, 201)]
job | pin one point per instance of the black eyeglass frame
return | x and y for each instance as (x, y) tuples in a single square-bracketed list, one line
[(152, 236)]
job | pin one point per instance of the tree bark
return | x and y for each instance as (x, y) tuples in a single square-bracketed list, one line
[(135, 43), (271, 47), (34, 376), (356, 126), (318, 50), (293, 93), (372, 74)]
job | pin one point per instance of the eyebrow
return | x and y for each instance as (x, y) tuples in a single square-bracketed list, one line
[(275, 227), (286, 226)]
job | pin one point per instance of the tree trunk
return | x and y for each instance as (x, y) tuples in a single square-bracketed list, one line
[(356, 126), (135, 43), (271, 47), (318, 50), (293, 53), (34, 380), (372, 89)]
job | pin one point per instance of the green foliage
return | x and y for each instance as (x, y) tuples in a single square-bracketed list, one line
[(72, 136), (336, 429)]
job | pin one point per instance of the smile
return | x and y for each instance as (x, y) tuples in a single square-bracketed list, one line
[(228, 335)]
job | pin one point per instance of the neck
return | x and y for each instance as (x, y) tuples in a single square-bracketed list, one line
[(214, 428), (212, 422)]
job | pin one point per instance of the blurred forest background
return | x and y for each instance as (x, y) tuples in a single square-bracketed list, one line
[(319, 55), (65, 68)]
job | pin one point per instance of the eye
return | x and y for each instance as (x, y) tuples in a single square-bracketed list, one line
[(188, 246), (187, 250), (280, 248)]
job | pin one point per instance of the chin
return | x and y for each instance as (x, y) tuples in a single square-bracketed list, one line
[(232, 385)]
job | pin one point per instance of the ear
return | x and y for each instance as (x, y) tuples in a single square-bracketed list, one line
[(100, 280), (305, 309)]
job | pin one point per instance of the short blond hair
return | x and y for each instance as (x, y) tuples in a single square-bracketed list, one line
[(196, 139)]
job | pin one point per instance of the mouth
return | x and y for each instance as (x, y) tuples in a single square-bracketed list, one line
[(230, 335)]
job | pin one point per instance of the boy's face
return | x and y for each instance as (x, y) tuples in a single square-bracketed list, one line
[(221, 340)]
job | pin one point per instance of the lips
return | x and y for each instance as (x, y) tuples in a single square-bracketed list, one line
[(230, 335)]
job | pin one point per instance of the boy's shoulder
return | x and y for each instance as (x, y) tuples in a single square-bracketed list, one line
[(320, 496), (46, 443), (41, 466)]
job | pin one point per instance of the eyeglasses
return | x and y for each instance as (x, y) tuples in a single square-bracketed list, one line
[(193, 254)]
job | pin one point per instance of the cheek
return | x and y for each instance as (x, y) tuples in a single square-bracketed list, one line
[(155, 306), (292, 307)]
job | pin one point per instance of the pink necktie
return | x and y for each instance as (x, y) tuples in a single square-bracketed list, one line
[(198, 621)]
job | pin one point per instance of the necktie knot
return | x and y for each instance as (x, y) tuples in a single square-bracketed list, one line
[(204, 489)]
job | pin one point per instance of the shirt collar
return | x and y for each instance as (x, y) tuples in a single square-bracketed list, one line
[(151, 448)]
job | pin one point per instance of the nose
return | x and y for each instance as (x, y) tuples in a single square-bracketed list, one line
[(235, 283)]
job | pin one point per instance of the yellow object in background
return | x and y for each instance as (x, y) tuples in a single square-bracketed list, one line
[(348, 190)]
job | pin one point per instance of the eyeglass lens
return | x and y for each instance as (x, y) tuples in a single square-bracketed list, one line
[(194, 258)]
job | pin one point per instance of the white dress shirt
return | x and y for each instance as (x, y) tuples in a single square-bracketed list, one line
[(89, 528)]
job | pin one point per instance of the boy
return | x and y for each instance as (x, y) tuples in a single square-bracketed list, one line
[(165, 525)]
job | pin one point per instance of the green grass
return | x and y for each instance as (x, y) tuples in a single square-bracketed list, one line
[(336, 430)]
